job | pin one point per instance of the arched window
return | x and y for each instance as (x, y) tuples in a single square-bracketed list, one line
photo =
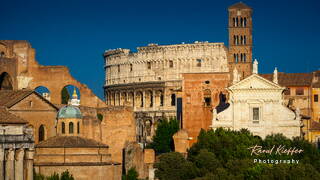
[(234, 22), (241, 57), (41, 133), (237, 40), (237, 22), (241, 22), (241, 39), (173, 99), (235, 58), (244, 40), (78, 127), (244, 57), (63, 128), (244, 22), (71, 128), (5, 82)]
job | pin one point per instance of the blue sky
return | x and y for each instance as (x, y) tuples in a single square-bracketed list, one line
[(75, 33)]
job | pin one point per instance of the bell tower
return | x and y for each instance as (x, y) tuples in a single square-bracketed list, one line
[(240, 39)]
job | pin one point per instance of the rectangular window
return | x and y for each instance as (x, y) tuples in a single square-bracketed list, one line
[(118, 68), (299, 91), (315, 98), (199, 62), (171, 64), (207, 101), (149, 65), (130, 67), (255, 115)]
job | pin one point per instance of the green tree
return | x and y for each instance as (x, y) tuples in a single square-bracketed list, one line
[(65, 96), (162, 141), (173, 166), (131, 175), (224, 154)]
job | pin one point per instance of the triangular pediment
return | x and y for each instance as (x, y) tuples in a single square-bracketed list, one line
[(255, 82)]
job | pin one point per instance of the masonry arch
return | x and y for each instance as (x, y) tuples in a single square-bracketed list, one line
[(67, 91), (44, 91), (6, 81), (139, 99), (159, 98), (149, 98)]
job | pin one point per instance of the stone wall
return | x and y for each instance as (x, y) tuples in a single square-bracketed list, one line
[(200, 94), (20, 63)]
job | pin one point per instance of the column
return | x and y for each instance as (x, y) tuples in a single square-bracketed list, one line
[(1, 163), (18, 165), (29, 164), (9, 174), (144, 99)]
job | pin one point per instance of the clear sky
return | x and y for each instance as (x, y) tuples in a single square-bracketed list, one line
[(75, 33)]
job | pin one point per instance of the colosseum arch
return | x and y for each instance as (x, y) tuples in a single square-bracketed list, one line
[(149, 98), (5, 81), (131, 98), (159, 98), (139, 99)]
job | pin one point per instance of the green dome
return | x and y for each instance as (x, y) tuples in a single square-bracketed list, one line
[(69, 112)]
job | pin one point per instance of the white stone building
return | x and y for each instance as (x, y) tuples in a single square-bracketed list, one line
[(256, 104)]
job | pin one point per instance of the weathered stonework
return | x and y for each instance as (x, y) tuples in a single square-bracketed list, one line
[(149, 79), (200, 94), (19, 63)]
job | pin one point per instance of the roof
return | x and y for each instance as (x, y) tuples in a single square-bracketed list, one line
[(239, 5), (8, 98), (69, 112), (291, 79), (8, 118), (69, 142)]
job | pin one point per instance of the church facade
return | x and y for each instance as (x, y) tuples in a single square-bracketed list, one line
[(257, 104)]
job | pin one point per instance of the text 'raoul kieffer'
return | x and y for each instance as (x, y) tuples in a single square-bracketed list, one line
[(278, 150)]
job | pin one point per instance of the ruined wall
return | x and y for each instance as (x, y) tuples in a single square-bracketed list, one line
[(117, 129), (20, 63), (197, 87)]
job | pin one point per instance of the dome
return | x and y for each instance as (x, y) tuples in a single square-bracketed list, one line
[(69, 112)]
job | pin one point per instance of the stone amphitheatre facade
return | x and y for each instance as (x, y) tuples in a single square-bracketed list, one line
[(151, 79)]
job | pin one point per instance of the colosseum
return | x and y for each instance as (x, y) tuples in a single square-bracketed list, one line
[(150, 79)]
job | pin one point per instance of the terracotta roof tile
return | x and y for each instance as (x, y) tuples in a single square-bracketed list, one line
[(7, 118), (9, 98), (291, 79), (69, 142)]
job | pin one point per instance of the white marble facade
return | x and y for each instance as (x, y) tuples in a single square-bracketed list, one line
[(256, 104)]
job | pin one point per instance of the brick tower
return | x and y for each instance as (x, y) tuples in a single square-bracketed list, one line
[(240, 39)]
